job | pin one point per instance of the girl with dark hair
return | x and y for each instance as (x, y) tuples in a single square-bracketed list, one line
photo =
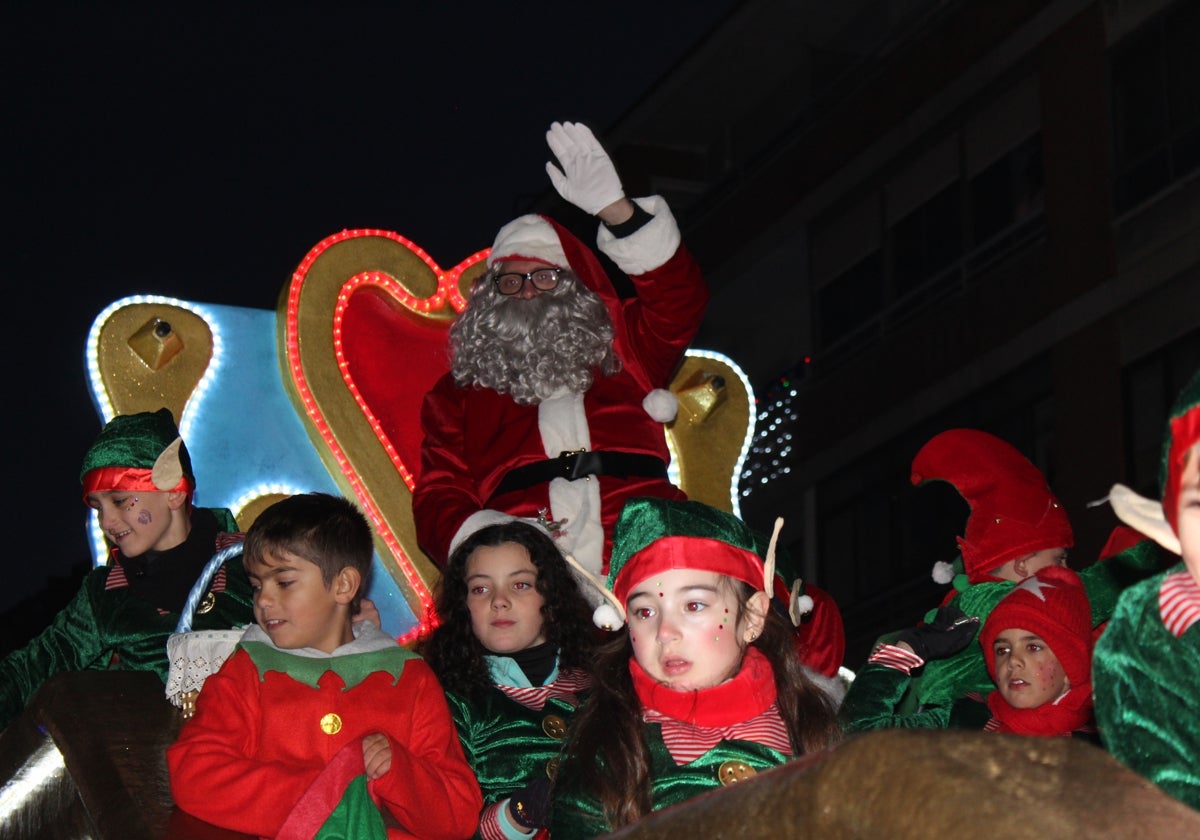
[(703, 688), (513, 640)]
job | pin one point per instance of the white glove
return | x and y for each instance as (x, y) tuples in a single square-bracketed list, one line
[(588, 178)]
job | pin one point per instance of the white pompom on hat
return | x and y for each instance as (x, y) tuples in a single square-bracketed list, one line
[(528, 237), (661, 405), (943, 572)]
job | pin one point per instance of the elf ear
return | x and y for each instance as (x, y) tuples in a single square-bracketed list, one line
[(346, 584), (755, 616), (1021, 567)]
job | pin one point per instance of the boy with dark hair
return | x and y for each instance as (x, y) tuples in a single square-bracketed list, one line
[(316, 726)]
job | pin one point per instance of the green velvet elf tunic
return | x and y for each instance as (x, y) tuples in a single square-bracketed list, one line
[(1147, 686), (514, 733), (1147, 663), (108, 625), (736, 717)]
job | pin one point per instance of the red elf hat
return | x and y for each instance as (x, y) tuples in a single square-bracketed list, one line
[(1013, 512)]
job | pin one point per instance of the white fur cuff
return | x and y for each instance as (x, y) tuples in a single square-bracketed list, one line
[(647, 248)]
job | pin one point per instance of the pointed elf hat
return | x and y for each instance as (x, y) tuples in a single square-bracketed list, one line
[(138, 452), (1013, 512), (657, 535), (1160, 521)]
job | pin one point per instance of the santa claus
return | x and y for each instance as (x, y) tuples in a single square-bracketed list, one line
[(554, 404)]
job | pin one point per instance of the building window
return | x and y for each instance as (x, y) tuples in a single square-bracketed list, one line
[(1155, 87), (954, 208), (1008, 192), (852, 299), (928, 240)]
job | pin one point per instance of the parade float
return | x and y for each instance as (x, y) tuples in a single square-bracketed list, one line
[(323, 394)]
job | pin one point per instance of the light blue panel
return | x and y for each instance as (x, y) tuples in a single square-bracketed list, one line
[(244, 432)]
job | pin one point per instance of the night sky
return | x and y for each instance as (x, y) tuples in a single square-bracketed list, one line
[(149, 150)]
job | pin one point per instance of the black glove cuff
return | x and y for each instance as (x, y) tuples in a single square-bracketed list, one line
[(521, 814), (633, 224)]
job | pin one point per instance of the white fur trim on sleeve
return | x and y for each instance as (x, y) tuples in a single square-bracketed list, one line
[(647, 248)]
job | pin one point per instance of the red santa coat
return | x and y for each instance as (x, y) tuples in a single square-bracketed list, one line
[(257, 743), (474, 436)]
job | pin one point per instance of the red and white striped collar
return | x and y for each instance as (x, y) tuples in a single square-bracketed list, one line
[(568, 685), (1179, 602), (687, 742)]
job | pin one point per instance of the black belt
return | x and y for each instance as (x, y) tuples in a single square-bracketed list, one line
[(576, 465)]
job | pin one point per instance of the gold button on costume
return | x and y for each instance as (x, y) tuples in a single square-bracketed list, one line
[(731, 772), (555, 727), (205, 606), (331, 724)]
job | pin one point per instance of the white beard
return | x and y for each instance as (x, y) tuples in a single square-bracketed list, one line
[(532, 349)]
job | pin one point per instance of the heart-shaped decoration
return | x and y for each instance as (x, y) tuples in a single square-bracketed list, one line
[(360, 333), (363, 327)]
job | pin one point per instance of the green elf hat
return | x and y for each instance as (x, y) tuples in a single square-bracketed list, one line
[(1159, 520), (656, 535), (138, 452)]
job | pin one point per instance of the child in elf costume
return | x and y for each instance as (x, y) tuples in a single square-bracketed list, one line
[(317, 727), (1037, 646), (1148, 659), (702, 688), (514, 640), (1016, 527), (137, 475)]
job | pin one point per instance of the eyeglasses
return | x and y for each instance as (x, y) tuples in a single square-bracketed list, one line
[(544, 279)]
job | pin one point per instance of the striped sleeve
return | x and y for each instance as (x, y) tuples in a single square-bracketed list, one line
[(896, 658), (1179, 602)]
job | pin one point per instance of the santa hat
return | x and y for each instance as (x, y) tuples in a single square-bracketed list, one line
[(1160, 521), (655, 535), (138, 452), (1013, 512), (539, 239), (530, 238), (1053, 604)]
